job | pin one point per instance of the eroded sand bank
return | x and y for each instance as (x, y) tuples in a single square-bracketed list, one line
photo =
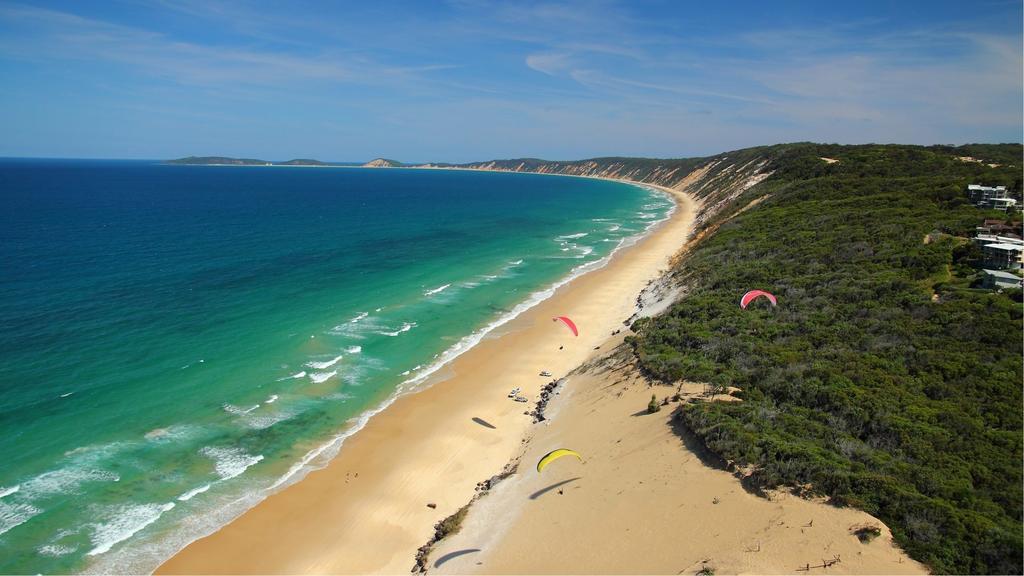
[(367, 510), (644, 501)]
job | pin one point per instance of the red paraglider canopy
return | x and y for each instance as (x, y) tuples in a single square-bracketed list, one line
[(569, 323), (754, 295)]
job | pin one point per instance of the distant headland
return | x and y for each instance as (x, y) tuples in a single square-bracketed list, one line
[(228, 161)]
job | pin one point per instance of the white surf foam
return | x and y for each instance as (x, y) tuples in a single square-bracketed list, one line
[(194, 492), (125, 523), (356, 328), (295, 376), (572, 236), (535, 298), (326, 364), (437, 290), (65, 481), (171, 433), (320, 377), (148, 555), (262, 421), (406, 326), (13, 515), (273, 398), (8, 491), (359, 317), (354, 349), (232, 409), (229, 462), (55, 550)]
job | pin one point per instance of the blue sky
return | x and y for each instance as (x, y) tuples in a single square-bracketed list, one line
[(473, 80)]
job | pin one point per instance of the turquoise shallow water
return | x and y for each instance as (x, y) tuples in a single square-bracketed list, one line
[(178, 340)]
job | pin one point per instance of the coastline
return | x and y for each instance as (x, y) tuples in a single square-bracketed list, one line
[(425, 447)]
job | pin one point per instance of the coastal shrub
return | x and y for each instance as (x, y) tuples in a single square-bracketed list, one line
[(859, 383), (452, 524), (653, 406), (866, 533)]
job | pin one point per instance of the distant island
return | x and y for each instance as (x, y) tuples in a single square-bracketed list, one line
[(228, 161), (384, 163)]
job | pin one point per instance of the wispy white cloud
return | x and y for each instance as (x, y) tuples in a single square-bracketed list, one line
[(56, 35), (476, 78), (550, 63)]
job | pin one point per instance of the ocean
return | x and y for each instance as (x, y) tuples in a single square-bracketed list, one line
[(179, 341)]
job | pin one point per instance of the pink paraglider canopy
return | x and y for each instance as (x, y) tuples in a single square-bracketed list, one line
[(568, 323), (754, 295)]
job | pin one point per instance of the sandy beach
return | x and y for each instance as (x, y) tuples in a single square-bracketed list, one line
[(646, 499), (367, 511)]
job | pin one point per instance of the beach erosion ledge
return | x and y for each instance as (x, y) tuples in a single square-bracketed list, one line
[(367, 510), (421, 460)]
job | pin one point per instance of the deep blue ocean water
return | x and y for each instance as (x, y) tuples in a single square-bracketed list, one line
[(175, 341)]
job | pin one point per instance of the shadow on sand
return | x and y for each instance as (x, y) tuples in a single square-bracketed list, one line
[(547, 489), (453, 555), (707, 457), (484, 423)]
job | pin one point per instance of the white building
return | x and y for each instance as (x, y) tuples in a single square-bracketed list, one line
[(1004, 255), (984, 239), (990, 197), (997, 279)]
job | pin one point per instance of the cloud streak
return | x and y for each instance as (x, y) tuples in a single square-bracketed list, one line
[(473, 79)]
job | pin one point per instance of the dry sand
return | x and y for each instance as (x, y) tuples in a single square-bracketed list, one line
[(367, 510), (644, 501)]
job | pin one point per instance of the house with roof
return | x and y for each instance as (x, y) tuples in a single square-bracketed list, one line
[(990, 197), (999, 279), (1003, 255), (1001, 228)]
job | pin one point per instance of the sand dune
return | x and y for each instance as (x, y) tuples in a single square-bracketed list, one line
[(642, 502), (367, 510), (645, 502)]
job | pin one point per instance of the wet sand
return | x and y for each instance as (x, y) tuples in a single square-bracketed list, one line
[(367, 510)]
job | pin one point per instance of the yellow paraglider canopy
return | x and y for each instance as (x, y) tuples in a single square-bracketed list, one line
[(555, 455)]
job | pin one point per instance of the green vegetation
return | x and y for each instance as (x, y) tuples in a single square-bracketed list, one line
[(452, 524), (228, 161), (867, 533), (653, 406), (881, 379), (218, 160), (302, 162), (384, 163)]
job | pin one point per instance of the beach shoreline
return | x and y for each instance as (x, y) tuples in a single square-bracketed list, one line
[(378, 486)]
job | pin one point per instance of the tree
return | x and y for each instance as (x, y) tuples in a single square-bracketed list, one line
[(653, 405)]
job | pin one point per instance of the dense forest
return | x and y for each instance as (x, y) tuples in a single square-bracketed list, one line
[(882, 379)]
